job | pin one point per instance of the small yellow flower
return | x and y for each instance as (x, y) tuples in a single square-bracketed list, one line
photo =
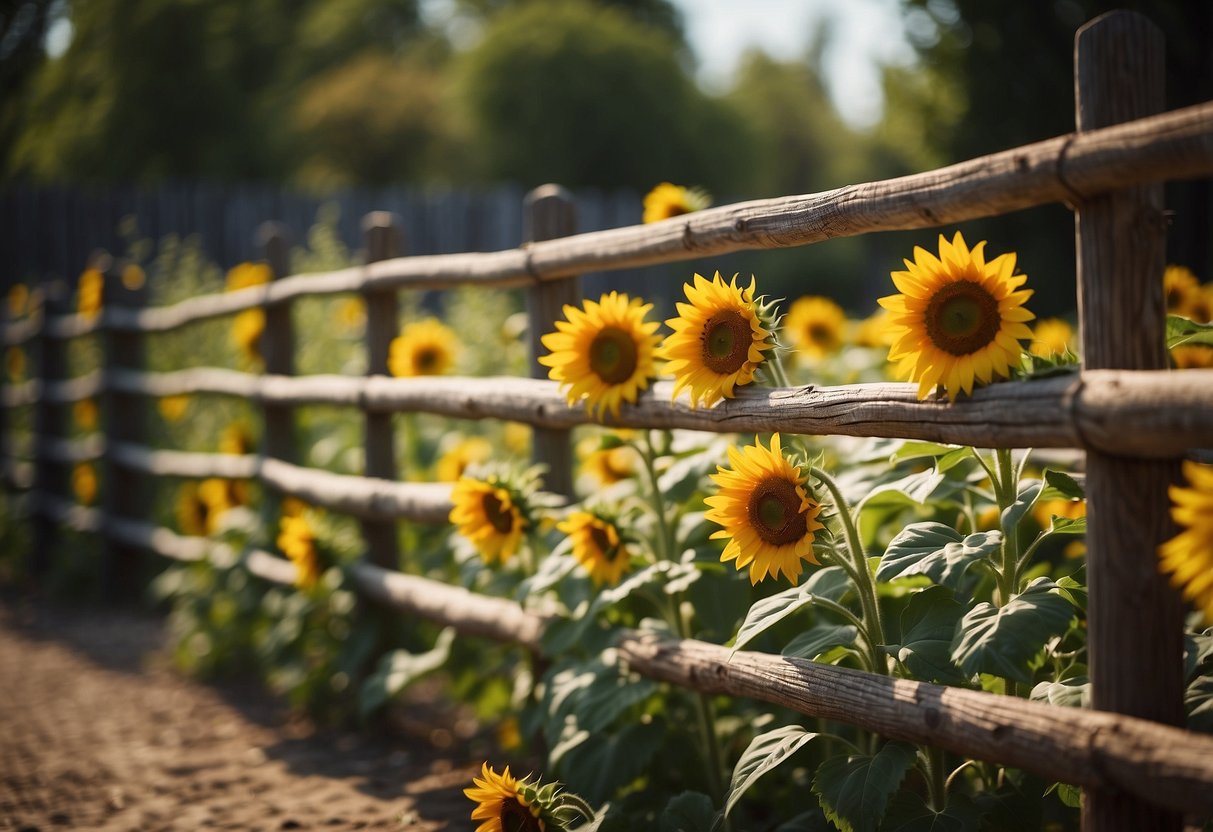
[(424, 348), (1180, 288), (1045, 510), (1051, 336), (509, 737), (611, 465), (247, 329), (133, 277), (235, 439), (603, 353), (351, 314), (1192, 357), (815, 326), (18, 300), (597, 546), (958, 319), (769, 519), (467, 451), (297, 540), (89, 292), (718, 340), (84, 483), (874, 330), (517, 438), (173, 408), (245, 275), (1188, 557), (84, 414), (669, 200), (218, 496), (500, 804), (14, 363), (488, 516)]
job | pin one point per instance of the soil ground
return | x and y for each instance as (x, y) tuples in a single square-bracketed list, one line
[(97, 733)]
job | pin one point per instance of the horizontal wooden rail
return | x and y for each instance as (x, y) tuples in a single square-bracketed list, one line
[(1129, 413), (69, 451), (58, 392), (1070, 168)]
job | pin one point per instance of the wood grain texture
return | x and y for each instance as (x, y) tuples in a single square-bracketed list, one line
[(548, 213), (277, 344), (383, 233), (1133, 414), (1174, 145), (1134, 619)]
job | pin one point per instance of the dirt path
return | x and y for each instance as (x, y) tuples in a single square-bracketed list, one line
[(96, 734)]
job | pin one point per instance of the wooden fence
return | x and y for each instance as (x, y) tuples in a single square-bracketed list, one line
[(1133, 418)]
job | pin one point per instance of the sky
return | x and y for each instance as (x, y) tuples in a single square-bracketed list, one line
[(864, 35)]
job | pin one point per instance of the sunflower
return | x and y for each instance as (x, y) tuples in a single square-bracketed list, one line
[(218, 495), (958, 318), (18, 300), (466, 451), (84, 483), (611, 465), (351, 314), (597, 546), (873, 331), (84, 414), (1200, 307), (718, 339), (297, 540), (1192, 356), (424, 348), (603, 352), (1051, 336), (173, 408), (247, 328), (489, 516), (89, 291), (192, 512), (1188, 557), (1180, 288), (235, 439), (244, 275), (816, 326), (668, 200), (501, 804), (133, 277), (768, 518)]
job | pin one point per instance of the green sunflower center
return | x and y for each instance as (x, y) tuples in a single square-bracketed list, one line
[(613, 355), (774, 511), (962, 318), (726, 342), (517, 818), (501, 518)]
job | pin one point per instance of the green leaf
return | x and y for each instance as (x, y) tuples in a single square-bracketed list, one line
[(914, 449), (1003, 640), (913, 490), (830, 583), (592, 694), (1062, 486), (1067, 525), (1073, 591), (764, 753), (1029, 493), (683, 477), (601, 767), (937, 551), (1181, 330), (1198, 650), (1198, 701), (688, 812), (908, 812), (821, 639), (1074, 692), (400, 668), (928, 625), (854, 790)]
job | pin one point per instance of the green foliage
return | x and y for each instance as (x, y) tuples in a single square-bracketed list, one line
[(937, 551), (1003, 640), (764, 753), (855, 789)]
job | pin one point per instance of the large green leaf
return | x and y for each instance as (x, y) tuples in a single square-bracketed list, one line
[(908, 812), (911, 490), (1181, 330), (595, 770), (765, 752), (829, 583), (1198, 652), (1198, 701), (1062, 486), (821, 639), (688, 812), (928, 625), (854, 790), (400, 668), (1074, 692), (592, 694), (937, 551), (1029, 493), (1002, 641)]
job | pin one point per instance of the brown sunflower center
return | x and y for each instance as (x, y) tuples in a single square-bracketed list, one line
[(517, 818), (501, 518), (821, 334), (775, 513), (613, 355), (726, 342), (602, 542), (427, 359), (962, 318)]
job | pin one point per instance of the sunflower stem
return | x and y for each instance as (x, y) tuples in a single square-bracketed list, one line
[(865, 587), (665, 544), (778, 373), (1006, 491), (937, 784)]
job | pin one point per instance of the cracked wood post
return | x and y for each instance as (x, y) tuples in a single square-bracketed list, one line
[(548, 213), (278, 355), (384, 234), (124, 495), (1135, 618), (49, 423)]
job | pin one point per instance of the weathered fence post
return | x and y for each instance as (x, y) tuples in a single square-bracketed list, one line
[(278, 355), (125, 421), (50, 423), (549, 212), (1135, 619), (384, 235)]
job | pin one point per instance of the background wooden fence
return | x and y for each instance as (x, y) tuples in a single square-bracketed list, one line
[(1139, 770)]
